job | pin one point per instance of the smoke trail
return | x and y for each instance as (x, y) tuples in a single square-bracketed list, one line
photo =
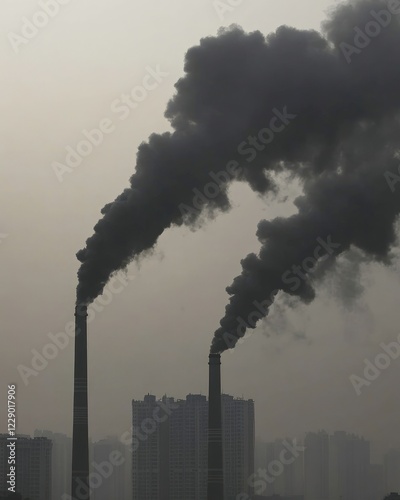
[(234, 85), (351, 207)]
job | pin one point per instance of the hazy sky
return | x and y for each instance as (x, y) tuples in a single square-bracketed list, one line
[(154, 336)]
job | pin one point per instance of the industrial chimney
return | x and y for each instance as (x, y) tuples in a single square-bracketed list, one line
[(215, 485), (80, 436)]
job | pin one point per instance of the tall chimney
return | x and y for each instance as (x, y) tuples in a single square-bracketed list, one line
[(80, 435), (215, 485)]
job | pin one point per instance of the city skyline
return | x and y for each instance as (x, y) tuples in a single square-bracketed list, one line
[(283, 466)]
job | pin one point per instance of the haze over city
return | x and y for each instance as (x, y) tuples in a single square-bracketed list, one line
[(301, 365)]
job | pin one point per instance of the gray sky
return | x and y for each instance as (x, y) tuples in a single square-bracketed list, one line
[(154, 336)]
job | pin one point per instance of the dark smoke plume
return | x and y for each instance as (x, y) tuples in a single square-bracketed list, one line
[(351, 207), (340, 138)]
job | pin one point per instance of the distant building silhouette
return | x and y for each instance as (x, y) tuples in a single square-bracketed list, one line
[(169, 459), (392, 470), (349, 462), (376, 482), (33, 467), (290, 482), (336, 467), (60, 463), (111, 462), (316, 466)]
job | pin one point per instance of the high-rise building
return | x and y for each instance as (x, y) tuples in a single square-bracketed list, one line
[(33, 466), (266, 453), (392, 470), (331, 467), (238, 444), (60, 462), (154, 463), (111, 463), (349, 463), (283, 478), (316, 466), (188, 449), (149, 477), (376, 482), (169, 459)]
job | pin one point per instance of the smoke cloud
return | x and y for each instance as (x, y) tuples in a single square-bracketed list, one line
[(351, 207), (332, 102)]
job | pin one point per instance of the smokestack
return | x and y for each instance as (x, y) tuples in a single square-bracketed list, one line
[(215, 485), (80, 436)]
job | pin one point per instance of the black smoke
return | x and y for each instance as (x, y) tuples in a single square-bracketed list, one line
[(341, 137), (352, 207)]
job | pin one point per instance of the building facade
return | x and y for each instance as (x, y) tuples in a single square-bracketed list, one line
[(392, 470), (188, 449), (32, 467), (60, 463), (238, 444), (280, 479), (110, 461), (349, 466), (169, 457), (149, 479), (316, 466), (376, 482)]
